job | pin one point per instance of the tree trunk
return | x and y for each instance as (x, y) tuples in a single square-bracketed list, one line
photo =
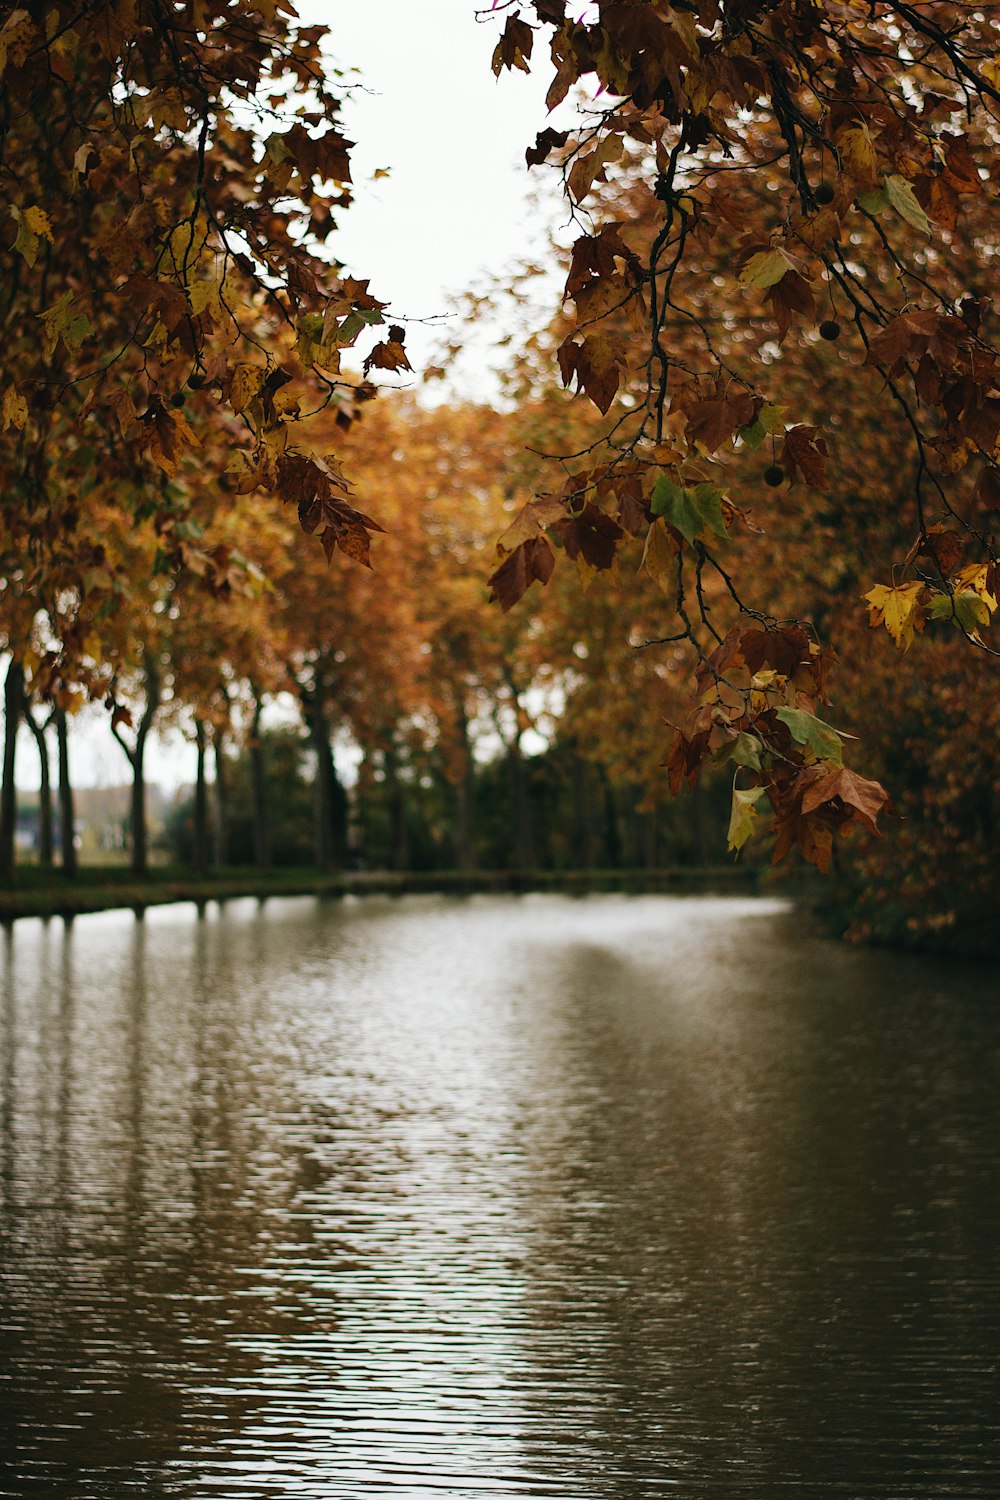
[(139, 863), (258, 779), (200, 850), (583, 843), (140, 830), (13, 704), (220, 825), (699, 841), (44, 788), (319, 734), (399, 834), (524, 842), (612, 837), (465, 838), (67, 812)]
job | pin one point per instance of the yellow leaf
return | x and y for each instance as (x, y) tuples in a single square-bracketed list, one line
[(765, 269), (743, 816), (977, 577), (898, 609), (247, 381), (15, 409), (659, 556), (857, 152), (38, 222)]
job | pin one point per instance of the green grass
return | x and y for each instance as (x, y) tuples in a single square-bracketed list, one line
[(41, 893)]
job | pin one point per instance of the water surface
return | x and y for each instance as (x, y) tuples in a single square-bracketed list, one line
[(600, 1198)]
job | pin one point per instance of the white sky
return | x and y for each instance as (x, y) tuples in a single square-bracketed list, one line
[(456, 206)]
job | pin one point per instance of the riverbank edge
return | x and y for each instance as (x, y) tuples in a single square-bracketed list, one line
[(95, 891)]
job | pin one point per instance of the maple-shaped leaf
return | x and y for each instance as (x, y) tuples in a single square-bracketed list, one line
[(765, 268), (14, 409), (784, 648), (692, 511), (659, 556), (968, 609), (388, 356), (531, 521), (546, 140), (532, 560), (712, 423), (591, 535), (865, 799), (898, 609), (819, 738), (789, 297), (743, 816), (803, 452), (686, 757), (913, 334), (745, 750), (596, 363), (514, 48), (163, 436), (63, 321)]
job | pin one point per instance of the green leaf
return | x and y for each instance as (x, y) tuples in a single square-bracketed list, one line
[(967, 609), (743, 816), (875, 202), (753, 435), (61, 322), (691, 511), (769, 419), (822, 739), (743, 751), (665, 494), (900, 195)]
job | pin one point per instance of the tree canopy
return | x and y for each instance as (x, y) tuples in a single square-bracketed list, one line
[(776, 295)]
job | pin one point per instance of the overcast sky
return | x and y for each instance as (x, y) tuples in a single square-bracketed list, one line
[(455, 206)]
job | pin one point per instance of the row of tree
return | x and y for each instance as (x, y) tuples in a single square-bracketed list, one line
[(776, 309), (408, 664)]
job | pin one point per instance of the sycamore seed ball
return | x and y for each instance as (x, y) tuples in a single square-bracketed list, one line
[(774, 475), (823, 194), (829, 329)]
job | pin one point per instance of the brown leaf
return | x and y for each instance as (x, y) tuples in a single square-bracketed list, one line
[(546, 140), (713, 422), (803, 451), (592, 535), (532, 560), (785, 650), (790, 296), (863, 798)]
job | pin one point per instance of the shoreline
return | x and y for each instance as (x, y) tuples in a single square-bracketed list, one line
[(96, 889)]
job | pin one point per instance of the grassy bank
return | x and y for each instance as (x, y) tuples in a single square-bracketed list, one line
[(45, 893)]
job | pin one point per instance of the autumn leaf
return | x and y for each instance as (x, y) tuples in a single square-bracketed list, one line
[(743, 816), (745, 750), (14, 409), (692, 511), (968, 609), (532, 560), (901, 197), (820, 739), (659, 556), (765, 268), (803, 452), (898, 608), (865, 799)]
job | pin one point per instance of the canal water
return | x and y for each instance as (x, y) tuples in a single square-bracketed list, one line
[(599, 1198)]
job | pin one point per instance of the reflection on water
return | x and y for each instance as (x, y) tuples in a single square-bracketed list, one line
[(612, 1198)]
